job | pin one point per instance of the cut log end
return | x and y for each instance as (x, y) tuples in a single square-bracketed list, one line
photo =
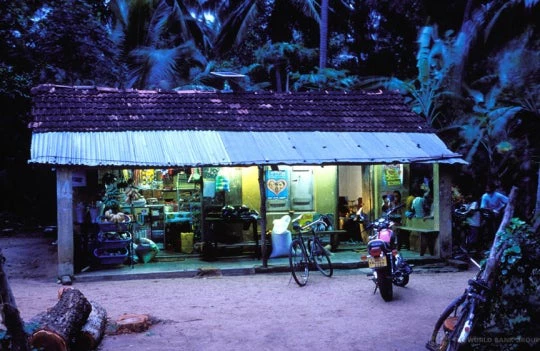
[(45, 340), (62, 322), (132, 323), (62, 290)]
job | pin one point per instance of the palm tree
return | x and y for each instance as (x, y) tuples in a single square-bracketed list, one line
[(161, 41), (478, 23), (323, 37)]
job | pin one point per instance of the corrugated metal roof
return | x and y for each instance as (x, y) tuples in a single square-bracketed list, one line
[(226, 148)]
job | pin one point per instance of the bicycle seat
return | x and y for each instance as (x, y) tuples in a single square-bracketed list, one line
[(479, 284)]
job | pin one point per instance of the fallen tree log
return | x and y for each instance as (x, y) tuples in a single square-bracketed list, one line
[(93, 330), (9, 312), (62, 323)]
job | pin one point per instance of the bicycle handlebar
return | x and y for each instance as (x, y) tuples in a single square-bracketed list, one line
[(320, 220)]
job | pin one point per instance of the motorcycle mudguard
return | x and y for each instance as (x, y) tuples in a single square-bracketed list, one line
[(378, 243)]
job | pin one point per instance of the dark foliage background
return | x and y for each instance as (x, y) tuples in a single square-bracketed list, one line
[(471, 68), (473, 76)]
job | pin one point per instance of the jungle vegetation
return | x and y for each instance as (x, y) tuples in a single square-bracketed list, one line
[(469, 67)]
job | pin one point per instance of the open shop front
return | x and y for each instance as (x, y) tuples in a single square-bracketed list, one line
[(206, 211), (215, 212), (85, 130)]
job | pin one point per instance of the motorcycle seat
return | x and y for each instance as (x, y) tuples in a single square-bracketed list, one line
[(385, 246)]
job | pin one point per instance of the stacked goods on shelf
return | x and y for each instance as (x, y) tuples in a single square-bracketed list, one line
[(114, 239)]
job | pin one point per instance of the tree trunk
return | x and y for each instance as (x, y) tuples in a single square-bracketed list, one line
[(323, 31), (10, 314), (93, 330), (536, 223), (496, 251), (15, 328), (6, 295), (61, 324)]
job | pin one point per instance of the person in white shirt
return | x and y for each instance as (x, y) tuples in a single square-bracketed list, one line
[(471, 211), (494, 202)]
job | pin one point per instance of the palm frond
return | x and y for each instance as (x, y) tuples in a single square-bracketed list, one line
[(158, 68), (308, 8), (120, 10), (499, 119), (158, 22), (236, 25)]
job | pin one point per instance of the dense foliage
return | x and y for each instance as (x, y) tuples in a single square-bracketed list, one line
[(469, 67), (511, 320)]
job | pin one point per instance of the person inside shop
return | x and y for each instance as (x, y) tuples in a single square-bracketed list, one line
[(343, 207), (408, 204), (418, 210), (493, 203), (386, 203), (396, 202), (354, 223), (360, 217), (417, 204), (131, 192), (397, 218)]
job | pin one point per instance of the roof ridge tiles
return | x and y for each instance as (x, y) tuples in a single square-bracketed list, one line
[(114, 109)]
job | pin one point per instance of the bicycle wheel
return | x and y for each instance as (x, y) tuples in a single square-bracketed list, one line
[(299, 262), (321, 258), (445, 326), (465, 321)]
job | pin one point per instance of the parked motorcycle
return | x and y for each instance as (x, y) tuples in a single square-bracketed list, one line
[(384, 259)]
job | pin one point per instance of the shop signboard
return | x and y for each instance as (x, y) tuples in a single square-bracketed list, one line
[(392, 176), (277, 190)]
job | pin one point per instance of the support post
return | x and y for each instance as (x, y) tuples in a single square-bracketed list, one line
[(262, 190), (64, 200), (442, 200)]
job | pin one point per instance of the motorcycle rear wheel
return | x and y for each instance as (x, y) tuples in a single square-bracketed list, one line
[(384, 282)]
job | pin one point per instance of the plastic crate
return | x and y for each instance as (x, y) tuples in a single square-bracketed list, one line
[(106, 257), (113, 227), (105, 241)]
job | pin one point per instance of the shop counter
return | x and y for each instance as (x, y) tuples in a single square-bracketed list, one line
[(229, 230)]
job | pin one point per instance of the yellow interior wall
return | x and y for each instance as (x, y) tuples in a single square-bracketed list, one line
[(250, 188), (324, 191)]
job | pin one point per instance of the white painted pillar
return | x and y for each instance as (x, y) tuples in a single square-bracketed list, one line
[(64, 200)]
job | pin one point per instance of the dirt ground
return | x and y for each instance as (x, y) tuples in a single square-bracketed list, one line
[(254, 312)]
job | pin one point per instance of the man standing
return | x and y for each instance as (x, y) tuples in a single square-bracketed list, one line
[(495, 202)]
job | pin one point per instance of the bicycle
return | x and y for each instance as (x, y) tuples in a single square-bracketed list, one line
[(302, 256), (455, 324)]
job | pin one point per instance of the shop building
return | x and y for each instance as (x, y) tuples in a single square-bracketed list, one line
[(216, 168)]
